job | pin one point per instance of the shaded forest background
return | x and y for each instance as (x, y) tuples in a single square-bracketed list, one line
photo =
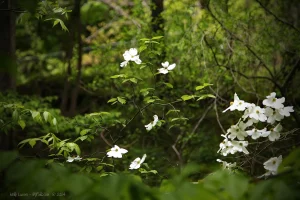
[(59, 57)]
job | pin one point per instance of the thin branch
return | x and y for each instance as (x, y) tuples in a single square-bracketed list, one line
[(240, 40), (277, 18), (120, 11)]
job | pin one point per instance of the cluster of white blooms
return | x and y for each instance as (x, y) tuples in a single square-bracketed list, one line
[(272, 112), (132, 55), (117, 152), (152, 124)]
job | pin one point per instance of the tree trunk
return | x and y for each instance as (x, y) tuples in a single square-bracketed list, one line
[(7, 46), (67, 97), (157, 20), (74, 95)]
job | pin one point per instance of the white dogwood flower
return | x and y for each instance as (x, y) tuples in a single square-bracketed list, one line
[(152, 124), (255, 133), (166, 67), (285, 111), (137, 162), (257, 113), (116, 152), (237, 104), (71, 159), (275, 133), (272, 164), (273, 115), (238, 131), (240, 146), (273, 102), (131, 55)]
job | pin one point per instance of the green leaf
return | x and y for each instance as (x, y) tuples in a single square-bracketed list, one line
[(15, 115), (82, 138), (112, 100), (22, 124), (200, 87), (97, 114), (170, 111), (121, 100), (169, 85), (145, 39), (54, 121), (145, 91), (142, 48), (206, 96), (180, 118), (32, 142), (119, 76), (84, 131), (149, 100), (99, 168), (187, 97), (46, 115), (157, 37), (133, 80), (55, 22), (34, 114)]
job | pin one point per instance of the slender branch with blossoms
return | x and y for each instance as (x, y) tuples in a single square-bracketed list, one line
[(237, 136)]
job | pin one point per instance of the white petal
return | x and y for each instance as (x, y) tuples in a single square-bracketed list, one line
[(163, 71), (165, 64), (137, 60), (127, 56), (123, 151), (148, 126), (133, 51), (124, 64), (70, 159), (171, 66), (143, 158), (155, 120), (236, 98)]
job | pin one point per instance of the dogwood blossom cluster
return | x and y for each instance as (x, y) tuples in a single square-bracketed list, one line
[(132, 55), (117, 152), (235, 139)]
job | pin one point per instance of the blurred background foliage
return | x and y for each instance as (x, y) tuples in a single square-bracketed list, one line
[(59, 58)]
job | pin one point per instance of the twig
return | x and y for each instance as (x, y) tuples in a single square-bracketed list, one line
[(277, 18)]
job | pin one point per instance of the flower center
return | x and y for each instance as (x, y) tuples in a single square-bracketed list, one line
[(273, 99), (231, 102)]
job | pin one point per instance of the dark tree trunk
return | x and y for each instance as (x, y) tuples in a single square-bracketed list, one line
[(7, 45), (74, 95), (68, 94), (157, 19)]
